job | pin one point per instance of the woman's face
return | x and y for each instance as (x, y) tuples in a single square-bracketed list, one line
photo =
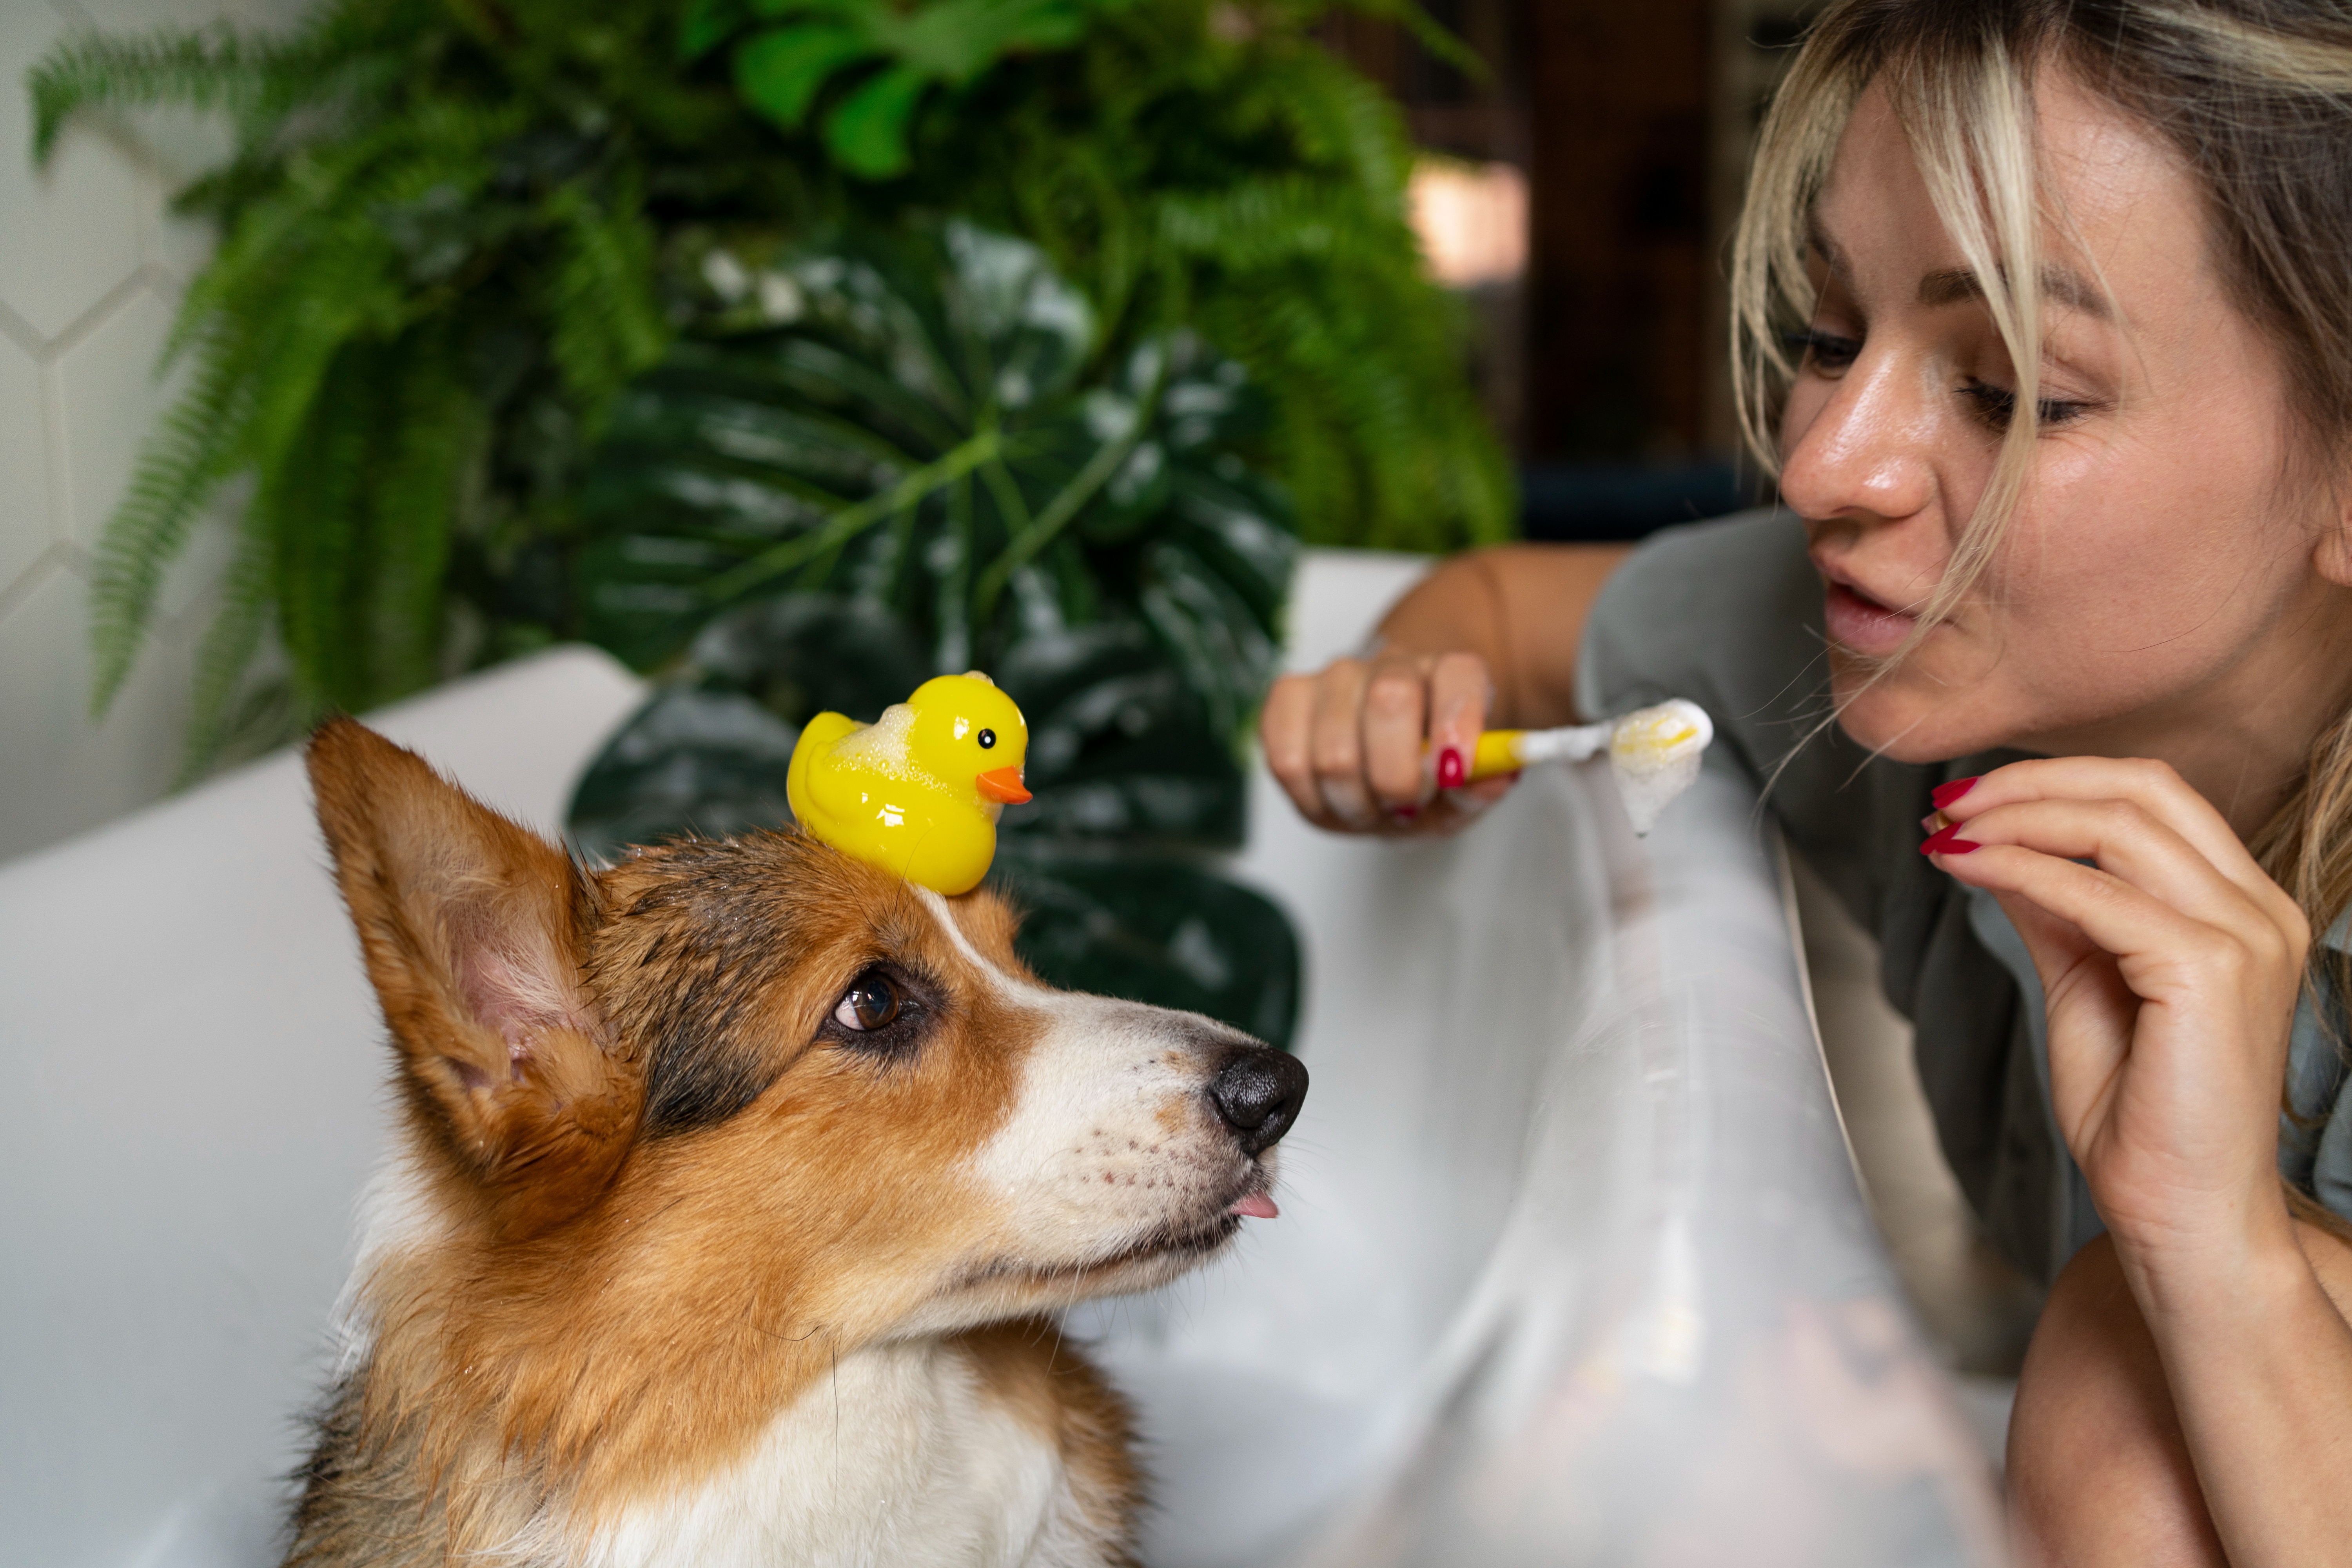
[(2161, 583)]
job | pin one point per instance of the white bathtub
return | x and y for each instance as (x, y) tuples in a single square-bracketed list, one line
[(1572, 1267)]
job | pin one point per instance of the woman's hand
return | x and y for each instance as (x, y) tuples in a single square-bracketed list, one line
[(2170, 966), (1364, 745), (1383, 744)]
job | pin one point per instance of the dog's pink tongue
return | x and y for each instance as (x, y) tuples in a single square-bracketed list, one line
[(1257, 1205)]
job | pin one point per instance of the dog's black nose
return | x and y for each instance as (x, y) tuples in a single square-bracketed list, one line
[(1258, 1091)]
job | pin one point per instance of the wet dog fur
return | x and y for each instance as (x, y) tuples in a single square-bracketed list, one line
[(679, 1260)]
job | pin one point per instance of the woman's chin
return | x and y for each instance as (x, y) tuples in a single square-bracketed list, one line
[(1888, 721)]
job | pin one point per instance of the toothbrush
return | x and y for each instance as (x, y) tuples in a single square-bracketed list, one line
[(1653, 753)]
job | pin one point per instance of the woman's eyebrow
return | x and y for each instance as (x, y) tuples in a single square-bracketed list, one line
[(1952, 285), (1827, 249)]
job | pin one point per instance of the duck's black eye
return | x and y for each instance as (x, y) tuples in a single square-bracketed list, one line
[(870, 1002), (987, 739)]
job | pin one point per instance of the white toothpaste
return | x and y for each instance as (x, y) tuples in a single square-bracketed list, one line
[(1653, 753)]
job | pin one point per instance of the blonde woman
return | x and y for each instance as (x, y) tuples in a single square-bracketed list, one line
[(2044, 321)]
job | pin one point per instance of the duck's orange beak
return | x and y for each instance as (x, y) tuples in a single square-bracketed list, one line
[(1003, 784)]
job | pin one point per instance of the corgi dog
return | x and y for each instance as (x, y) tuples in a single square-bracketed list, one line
[(735, 1187)]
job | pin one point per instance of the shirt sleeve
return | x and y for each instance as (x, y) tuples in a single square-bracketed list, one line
[(2316, 1124)]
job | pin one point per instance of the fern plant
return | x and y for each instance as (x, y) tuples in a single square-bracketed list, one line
[(431, 279), (453, 232)]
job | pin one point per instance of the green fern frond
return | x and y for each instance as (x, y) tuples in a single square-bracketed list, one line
[(260, 324), (436, 430), (207, 69), (227, 648), (182, 465), (254, 79), (606, 322), (312, 499)]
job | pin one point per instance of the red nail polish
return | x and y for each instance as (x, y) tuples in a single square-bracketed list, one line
[(1945, 794), (1947, 842), (1451, 773), (1404, 813)]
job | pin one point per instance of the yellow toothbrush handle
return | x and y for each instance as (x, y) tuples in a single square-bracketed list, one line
[(1497, 752)]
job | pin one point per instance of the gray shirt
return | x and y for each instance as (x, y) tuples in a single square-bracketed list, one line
[(1728, 615)]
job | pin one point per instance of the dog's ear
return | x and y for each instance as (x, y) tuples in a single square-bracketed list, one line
[(473, 928)]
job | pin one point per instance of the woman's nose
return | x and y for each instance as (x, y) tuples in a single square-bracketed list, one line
[(1863, 453)]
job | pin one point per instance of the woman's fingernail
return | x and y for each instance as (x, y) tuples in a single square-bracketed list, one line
[(1943, 794), (1404, 813), (1451, 773), (1947, 842)]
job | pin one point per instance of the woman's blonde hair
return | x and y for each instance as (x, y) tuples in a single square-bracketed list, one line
[(2255, 96)]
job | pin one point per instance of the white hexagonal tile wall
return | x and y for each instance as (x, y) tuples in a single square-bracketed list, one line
[(111, 768), (107, 389), (180, 246), (26, 530), (71, 233), (183, 607)]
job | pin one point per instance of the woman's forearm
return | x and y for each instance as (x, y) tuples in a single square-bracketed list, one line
[(1519, 607), (2259, 1360)]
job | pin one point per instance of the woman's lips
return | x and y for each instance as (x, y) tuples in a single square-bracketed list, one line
[(1863, 623)]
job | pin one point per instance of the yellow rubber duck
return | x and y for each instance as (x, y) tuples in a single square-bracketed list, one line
[(918, 791)]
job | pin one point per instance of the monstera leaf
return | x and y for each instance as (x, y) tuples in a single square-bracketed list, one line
[(1157, 931), (919, 423), (882, 461), (707, 754)]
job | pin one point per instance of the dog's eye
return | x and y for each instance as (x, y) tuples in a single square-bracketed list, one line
[(870, 1002), (987, 739)]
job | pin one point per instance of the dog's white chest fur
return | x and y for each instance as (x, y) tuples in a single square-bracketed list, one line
[(899, 1459)]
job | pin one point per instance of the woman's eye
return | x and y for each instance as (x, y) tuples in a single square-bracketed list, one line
[(1996, 407), (1822, 351), (870, 1002)]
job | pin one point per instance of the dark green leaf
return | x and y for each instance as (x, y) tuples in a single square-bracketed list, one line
[(1120, 750), (804, 654), (1156, 930), (707, 23), (688, 762), (922, 435), (781, 71), (954, 40), (868, 133)]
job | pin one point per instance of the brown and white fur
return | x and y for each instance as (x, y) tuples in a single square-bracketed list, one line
[(678, 1261)]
